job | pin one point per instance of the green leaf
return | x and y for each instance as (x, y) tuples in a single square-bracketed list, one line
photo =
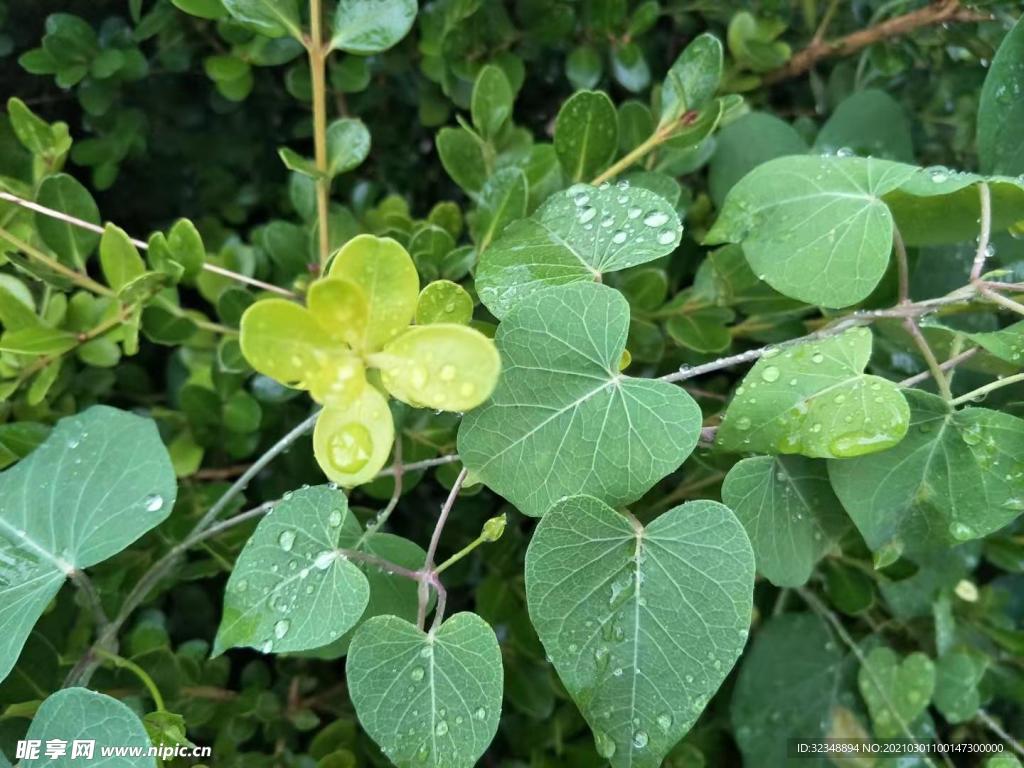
[(576, 237), (292, 589), (693, 79), (702, 330), (352, 443), (293, 161), (491, 104), (204, 9), (586, 134), (641, 623), (629, 67), (273, 18), (814, 399), (870, 123), (789, 511), (18, 439), (958, 674), (35, 134), (1006, 344), (443, 366), (583, 67), (382, 268), (814, 228), (746, 143), (561, 396), (348, 144), (462, 156), (444, 302), (99, 481), (1001, 107), (77, 714), (283, 340), (788, 685), (957, 475), (38, 340), (365, 27), (503, 199), (428, 699), (119, 258), (186, 246), (72, 244), (896, 690)]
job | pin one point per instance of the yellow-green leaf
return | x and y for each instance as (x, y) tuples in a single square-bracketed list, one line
[(384, 271), (340, 307), (337, 380), (282, 340), (445, 366), (352, 444)]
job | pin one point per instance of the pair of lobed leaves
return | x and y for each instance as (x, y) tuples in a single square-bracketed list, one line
[(358, 318)]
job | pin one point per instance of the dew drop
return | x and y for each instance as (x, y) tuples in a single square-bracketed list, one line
[(417, 674), (664, 721), (281, 628), (770, 374), (480, 713), (619, 237), (655, 218), (441, 728), (335, 518), (587, 215), (324, 559), (154, 502), (961, 531), (634, 213), (286, 540), (350, 448), (640, 739)]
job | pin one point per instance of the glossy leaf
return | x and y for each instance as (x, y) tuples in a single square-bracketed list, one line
[(788, 687), (561, 396), (99, 481), (957, 475), (577, 236), (348, 144), (1001, 107), (341, 308), (273, 18), (365, 27), (283, 340), (504, 198), (814, 228), (1006, 344), (72, 244), (119, 258), (427, 698), (78, 714), (789, 511), (693, 79), (291, 588), (814, 399), (958, 674), (896, 690), (869, 123), (382, 268), (642, 623), (352, 444), (443, 366), (491, 105), (744, 144), (462, 156), (38, 340), (586, 134), (444, 302)]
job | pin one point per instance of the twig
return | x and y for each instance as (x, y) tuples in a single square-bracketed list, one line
[(317, 67), (418, 465), (985, 232), (993, 725), (946, 366), (910, 324), (992, 385), (139, 672), (936, 13), (141, 244), (397, 471), (902, 266), (430, 578), (78, 278), (1005, 301), (88, 591)]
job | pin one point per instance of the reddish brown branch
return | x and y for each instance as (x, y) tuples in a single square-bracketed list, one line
[(941, 12)]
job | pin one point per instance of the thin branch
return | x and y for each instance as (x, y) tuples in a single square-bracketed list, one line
[(442, 519), (430, 578), (415, 466), (397, 471), (902, 266), (78, 278), (317, 68), (1005, 301), (993, 725), (953, 362), (141, 244), (942, 12), (92, 598), (980, 392), (985, 232), (923, 347)]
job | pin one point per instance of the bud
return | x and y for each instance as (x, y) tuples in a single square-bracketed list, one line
[(493, 528)]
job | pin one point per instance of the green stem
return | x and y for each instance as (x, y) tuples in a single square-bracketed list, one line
[(991, 386), (481, 539), (317, 66), (934, 366), (139, 672), (638, 153), (82, 280)]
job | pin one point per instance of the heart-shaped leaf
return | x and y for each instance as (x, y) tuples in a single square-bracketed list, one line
[(99, 481), (896, 690), (291, 588), (788, 686), (76, 715), (789, 511), (576, 236), (815, 399), (429, 699), (642, 623), (957, 475), (561, 396), (814, 228)]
